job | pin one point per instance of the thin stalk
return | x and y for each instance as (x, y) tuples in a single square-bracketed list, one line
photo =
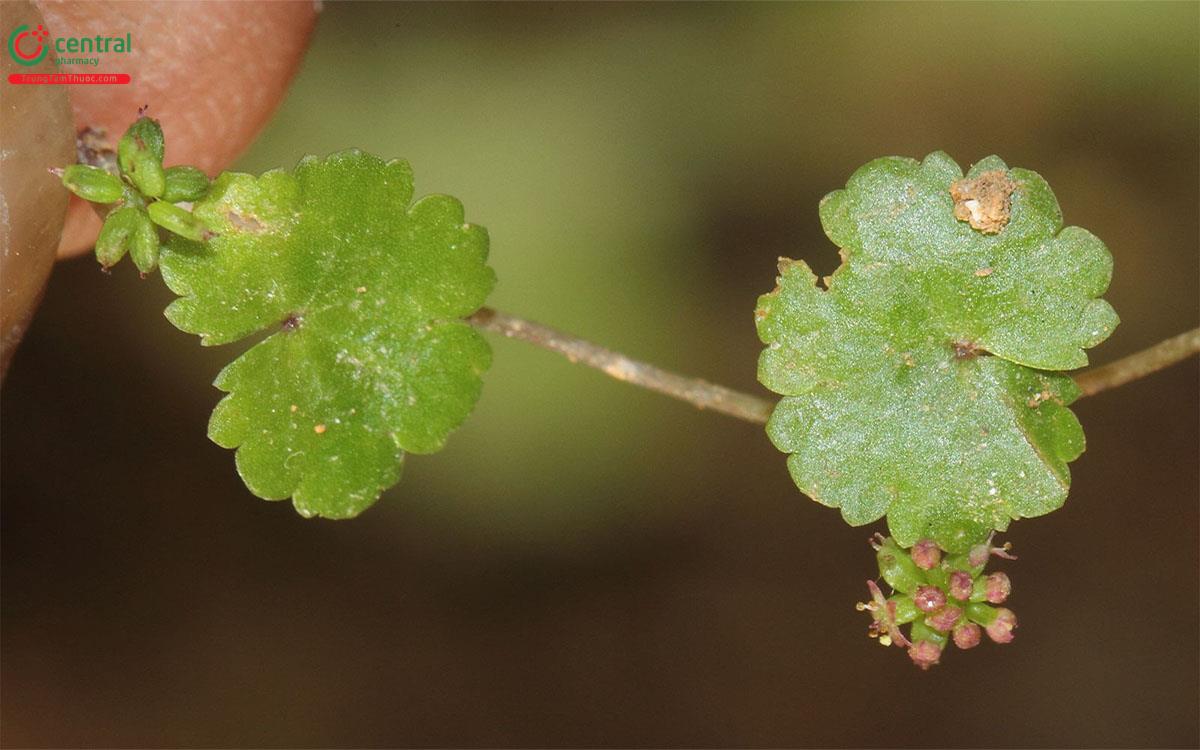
[(1140, 364), (751, 408), (699, 393)]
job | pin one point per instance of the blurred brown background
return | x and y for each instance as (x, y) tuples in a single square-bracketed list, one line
[(586, 563)]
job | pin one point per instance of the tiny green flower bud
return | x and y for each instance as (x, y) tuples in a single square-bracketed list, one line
[(1001, 629), (904, 610), (925, 654), (945, 618), (967, 635), (114, 238), (922, 632), (184, 184), (926, 554), (997, 588), (960, 585), (981, 613), (92, 183), (140, 156), (143, 247), (929, 598), (175, 219)]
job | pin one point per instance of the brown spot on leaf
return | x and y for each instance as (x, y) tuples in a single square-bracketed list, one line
[(964, 349), (985, 202), (1038, 399), (245, 223), (319, 429), (984, 272), (291, 322)]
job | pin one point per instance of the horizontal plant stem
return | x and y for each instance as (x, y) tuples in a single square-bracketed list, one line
[(695, 391), (751, 408), (1140, 364)]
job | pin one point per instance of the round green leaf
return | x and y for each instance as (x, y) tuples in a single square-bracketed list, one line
[(908, 375), (362, 295)]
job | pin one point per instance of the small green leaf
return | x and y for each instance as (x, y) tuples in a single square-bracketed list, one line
[(907, 377), (184, 184), (363, 296)]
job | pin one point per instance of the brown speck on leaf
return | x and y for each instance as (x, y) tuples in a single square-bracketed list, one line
[(1038, 398), (984, 202), (245, 223), (984, 272), (295, 408), (964, 349), (291, 322), (319, 429)]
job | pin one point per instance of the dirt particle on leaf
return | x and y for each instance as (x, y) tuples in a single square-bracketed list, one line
[(291, 322), (984, 272), (985, 202), (319, 429), (295, 408)]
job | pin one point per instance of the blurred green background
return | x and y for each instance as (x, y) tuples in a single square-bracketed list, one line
[(587, 563)]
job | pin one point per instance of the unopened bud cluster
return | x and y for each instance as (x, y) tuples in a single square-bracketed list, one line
[(942, 598), (139, 197)]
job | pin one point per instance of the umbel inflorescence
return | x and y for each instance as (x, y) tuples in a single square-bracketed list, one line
[(941, 598)]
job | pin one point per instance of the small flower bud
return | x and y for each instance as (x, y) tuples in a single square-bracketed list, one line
[(92, 183), (998, 588), (140, 156), (184, 184), (960, 585), (925, 653), (967, 635), (1001, 629), (115, 236), (945, 618), (926, 554), (143, 247), (929, 598)]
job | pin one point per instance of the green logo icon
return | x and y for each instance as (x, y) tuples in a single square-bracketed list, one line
[(28, 47)]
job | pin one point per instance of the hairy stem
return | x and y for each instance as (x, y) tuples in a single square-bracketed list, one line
[(697, 392), (1140, 364), (751, 408)]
